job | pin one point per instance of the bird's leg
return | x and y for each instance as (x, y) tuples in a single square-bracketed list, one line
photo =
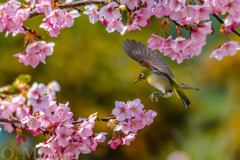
[(154, 96)]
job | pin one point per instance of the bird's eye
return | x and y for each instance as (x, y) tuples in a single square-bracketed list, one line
[(142, 75)]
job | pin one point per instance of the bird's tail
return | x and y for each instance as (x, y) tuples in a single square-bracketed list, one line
[(183, 97), (185, 86), (178, 89)]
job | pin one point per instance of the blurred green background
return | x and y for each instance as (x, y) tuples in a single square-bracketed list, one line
[(93, 72)]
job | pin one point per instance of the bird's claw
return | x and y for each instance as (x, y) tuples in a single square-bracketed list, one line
[(155, 95)]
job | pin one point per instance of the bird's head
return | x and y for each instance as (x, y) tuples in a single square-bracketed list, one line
[(142, 76)]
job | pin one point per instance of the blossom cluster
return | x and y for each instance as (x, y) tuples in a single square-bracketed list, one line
[(227, 49), (35, 53), (58, 19), (182, 48), (130, 118), (35, 111), (129, 15), (12, 17)]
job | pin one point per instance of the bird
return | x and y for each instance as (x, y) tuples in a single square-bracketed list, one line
[(156, 72)]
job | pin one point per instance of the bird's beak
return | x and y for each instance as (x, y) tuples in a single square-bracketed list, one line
[(136, 81)]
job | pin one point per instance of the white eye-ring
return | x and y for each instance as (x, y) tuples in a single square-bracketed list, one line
[(142, 75)]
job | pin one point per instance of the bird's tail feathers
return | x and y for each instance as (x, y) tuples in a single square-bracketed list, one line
[(185, 86), (180, 94), (183, 97)]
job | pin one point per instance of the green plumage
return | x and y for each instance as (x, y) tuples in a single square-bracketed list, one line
[(157, 72)]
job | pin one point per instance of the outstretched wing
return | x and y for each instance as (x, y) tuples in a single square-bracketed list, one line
[(146, 57)]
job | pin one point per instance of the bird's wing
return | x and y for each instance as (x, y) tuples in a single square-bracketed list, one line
[(146, 57)]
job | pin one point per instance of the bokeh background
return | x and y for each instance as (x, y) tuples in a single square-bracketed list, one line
[(93, 72)]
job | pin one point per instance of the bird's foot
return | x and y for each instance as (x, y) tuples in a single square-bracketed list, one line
[(168, 94), (155, 95)]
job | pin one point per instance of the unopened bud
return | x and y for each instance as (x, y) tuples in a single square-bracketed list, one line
[(112, 123), (122, 7), (165, 22), (222, 29), (178, 31)]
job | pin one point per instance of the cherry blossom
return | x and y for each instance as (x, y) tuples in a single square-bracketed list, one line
[(126, 16), (121, 111), (110, 12), (227, 49), (58, 19), (35, 53), (36, 112), (92, 12), (131, 117), (44, 6), (12, 17), (182, 48)]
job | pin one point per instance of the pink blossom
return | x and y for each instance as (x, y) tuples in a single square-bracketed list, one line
[(37, 90), (12, 17), (69, 18), (155, 42), (66, 138), (116, 25), (86, 129), (44, 6), (58, 19), (40, 103), (181, 48), (129, 138), (175, 4), (199, 34), (129, 125), (35, 53), (7, 127), (100, 137), (37, 97), (135, 108), (110, 11), (135, 124), (92, 12), (159, 10), (63, 135), (45, 149), (131, 4), (227, 49), (62, 114), (20, 139), (115, 142), (148, 117), (32, 122), (142, 17), (28, 59), (121, 111)]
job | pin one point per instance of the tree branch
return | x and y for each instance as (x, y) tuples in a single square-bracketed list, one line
[(12, 122), (9, 121), (104, 119), (221, 22), (72, 5)]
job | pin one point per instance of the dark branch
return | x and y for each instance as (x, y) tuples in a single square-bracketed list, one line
[(104, 119), (9, 121), (221, 22), (73, 5), (12, 122)]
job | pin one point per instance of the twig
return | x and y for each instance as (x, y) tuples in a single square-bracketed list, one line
[(9, 121), (32, 32), (104, 119), (221, 22), (72, 5), (12, 122)]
